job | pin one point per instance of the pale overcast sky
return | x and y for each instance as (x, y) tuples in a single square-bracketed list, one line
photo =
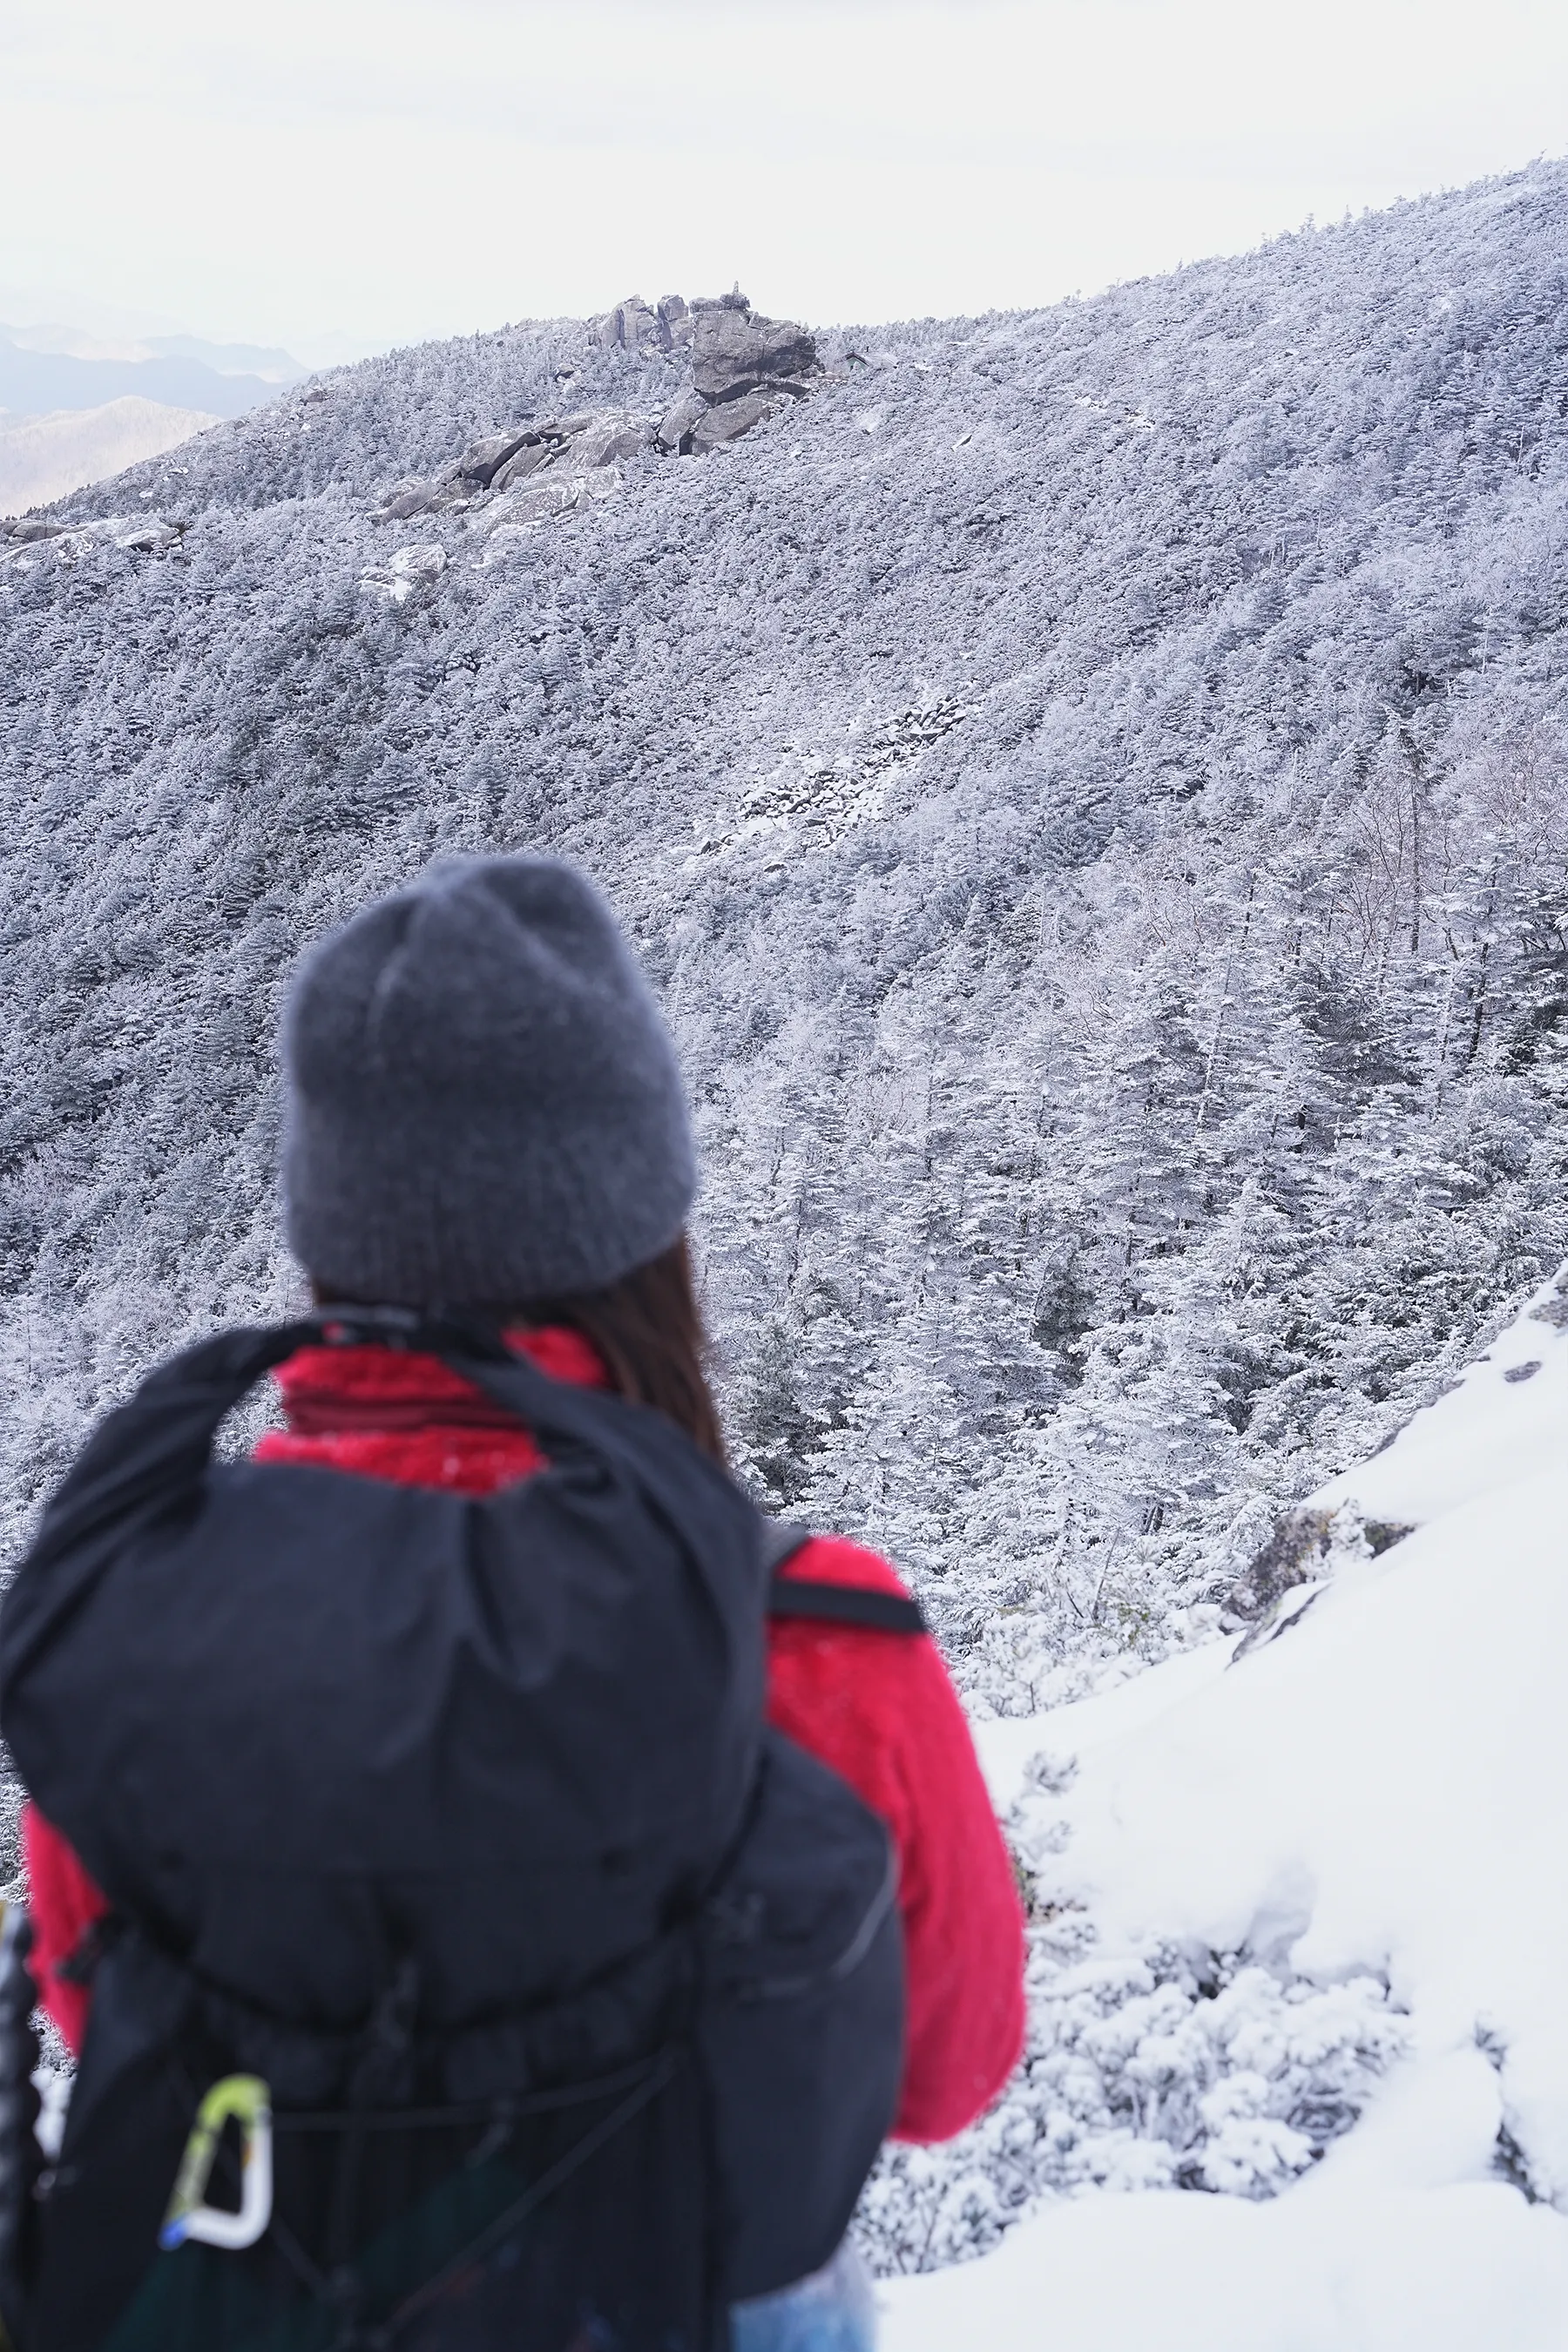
[(285, 170)]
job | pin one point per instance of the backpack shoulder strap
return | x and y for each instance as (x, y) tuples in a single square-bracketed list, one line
[(839, 1604), (781, 1538)]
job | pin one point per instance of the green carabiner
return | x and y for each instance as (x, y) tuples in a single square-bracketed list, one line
[(246, 2100)]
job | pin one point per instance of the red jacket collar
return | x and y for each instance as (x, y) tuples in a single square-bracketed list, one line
[(325, 1390)]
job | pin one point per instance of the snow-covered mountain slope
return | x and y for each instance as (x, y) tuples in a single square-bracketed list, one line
[(42, 457), (1319, 1883), (1503, 1418), (1087, 785)]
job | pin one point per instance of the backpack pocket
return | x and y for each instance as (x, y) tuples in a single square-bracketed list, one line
[(801, 2027)]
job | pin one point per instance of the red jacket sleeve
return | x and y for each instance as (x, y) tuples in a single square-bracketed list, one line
[(63, 1903), (880, 1709)]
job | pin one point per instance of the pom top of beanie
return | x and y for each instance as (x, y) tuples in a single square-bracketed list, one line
[(482, 1103)]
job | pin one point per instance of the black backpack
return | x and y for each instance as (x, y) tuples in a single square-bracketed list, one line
[(481, 1970)]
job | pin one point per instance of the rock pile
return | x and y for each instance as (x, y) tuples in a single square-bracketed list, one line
[(142, 534), (495, 464), (743, 367)]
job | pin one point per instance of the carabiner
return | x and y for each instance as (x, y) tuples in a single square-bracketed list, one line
[(246, 2100)]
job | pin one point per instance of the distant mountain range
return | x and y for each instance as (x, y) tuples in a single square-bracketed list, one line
[(44, 369), (128, 342)]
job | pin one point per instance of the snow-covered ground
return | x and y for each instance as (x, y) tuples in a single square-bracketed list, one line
[(1378, 1792)]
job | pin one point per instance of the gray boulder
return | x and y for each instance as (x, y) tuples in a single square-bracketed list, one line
[(583, 444), (482, 460), (634, 327), (531, 503), (414, 498), (731, 418), (1293, 1555), (605, 442), (627, 324), (742, 367), (523, 462), (734, 350), (680, 422)]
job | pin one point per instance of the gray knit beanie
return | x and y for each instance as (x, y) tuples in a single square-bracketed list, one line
[(482, 1103)]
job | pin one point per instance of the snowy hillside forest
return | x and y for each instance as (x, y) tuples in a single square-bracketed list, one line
[(1296, 1928), (1090, 787)]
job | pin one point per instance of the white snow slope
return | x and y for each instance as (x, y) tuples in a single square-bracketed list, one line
[(1381, 1789)]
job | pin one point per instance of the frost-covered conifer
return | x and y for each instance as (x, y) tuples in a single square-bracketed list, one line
[(1098, 836)]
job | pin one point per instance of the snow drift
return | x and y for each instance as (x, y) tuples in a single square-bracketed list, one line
[(1379, 1792)]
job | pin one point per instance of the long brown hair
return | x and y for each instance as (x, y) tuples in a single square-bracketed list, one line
[(648, 1328)]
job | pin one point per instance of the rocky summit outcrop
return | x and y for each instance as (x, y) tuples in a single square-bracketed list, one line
[(743, 367), (734, 351), (634, 327)]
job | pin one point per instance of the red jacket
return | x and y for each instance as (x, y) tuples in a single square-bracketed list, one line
[(878, 1708)]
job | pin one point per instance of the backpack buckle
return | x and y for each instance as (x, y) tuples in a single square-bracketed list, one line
[(246, 2100)]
